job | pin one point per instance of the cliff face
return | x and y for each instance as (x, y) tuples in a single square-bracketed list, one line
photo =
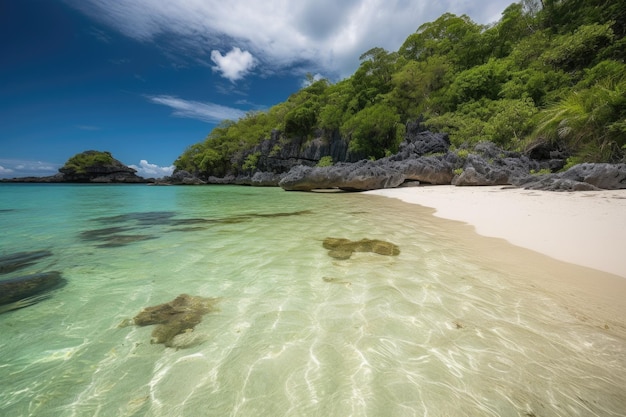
[(273, 158), (278, 154)]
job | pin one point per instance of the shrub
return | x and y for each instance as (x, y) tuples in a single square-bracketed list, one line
[(251, 161), (325, 161)]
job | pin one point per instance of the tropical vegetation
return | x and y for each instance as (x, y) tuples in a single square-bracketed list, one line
[(82, 162), (549, 72)]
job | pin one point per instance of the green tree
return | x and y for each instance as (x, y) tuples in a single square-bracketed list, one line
[(580, 48), (456, 37), (542, 85), (373, 77), (414, 84), (337, 104), (374, 131), (517, 22), (482, 81), (506, 122)]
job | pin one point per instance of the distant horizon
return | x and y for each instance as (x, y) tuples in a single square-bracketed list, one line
[(145, 81)]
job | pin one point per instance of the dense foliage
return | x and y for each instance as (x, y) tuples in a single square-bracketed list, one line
[(80, 163), (549, 72)]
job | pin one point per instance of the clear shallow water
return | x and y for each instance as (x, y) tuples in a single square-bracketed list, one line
[(443, 329)]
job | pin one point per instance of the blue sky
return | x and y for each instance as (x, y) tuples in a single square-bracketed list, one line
[(144, 79)]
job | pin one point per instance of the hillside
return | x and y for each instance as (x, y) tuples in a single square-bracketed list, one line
[(549, 75)]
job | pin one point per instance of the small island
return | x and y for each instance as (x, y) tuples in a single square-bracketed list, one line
[(90, 167)]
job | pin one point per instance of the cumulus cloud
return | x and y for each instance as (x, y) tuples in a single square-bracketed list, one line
[(10, 168), (147, 170), (206, 112), (234, 65), (320, 35)]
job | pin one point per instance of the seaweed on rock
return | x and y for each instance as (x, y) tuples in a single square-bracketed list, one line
[(340, 248), (178, 316)]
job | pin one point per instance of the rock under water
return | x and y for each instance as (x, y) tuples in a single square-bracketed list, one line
[(27, 290), (176, 317), (340, 248), (14, 261)]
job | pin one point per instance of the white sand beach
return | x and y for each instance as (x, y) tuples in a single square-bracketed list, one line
[(584, 228)]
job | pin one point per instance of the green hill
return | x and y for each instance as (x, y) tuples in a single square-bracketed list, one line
[(548, 73)]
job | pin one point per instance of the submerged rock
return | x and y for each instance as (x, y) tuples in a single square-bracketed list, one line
[(15, 261), (340, 248), (115, 241), (176, 317), (27, 290)]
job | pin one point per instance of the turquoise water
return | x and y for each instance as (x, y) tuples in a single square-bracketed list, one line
[(443, 329)]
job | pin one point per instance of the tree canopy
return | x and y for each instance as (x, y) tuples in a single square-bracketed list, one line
[(549, 71)]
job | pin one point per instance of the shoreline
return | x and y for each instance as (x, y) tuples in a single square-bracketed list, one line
[(585, 228)]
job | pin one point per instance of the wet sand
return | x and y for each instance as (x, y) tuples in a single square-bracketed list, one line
[(570, 244)]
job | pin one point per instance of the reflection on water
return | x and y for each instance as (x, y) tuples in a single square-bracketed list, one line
[(442, 328)]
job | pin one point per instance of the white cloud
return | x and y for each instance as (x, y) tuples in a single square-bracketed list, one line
[(10, 168), (148, 170), (234, 65), (322, 35), (207, 112)]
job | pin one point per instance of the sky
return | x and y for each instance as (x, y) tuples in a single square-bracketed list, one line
[(145, 79)]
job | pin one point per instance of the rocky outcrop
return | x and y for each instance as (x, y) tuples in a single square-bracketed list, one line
[(604, 176), (181, 178), (362, 175), (424, 157), (436, 170), (409, 164), (278, 155), (581, 177)]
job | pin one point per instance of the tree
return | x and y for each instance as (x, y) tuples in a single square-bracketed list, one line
[(454, 36), (374, 131), (578, 49), (505, 122), (516, 24), (373, 77), (337, 104), (482, 81), (414, 83)]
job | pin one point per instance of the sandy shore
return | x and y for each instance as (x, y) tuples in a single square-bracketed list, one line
[(584, 228)]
